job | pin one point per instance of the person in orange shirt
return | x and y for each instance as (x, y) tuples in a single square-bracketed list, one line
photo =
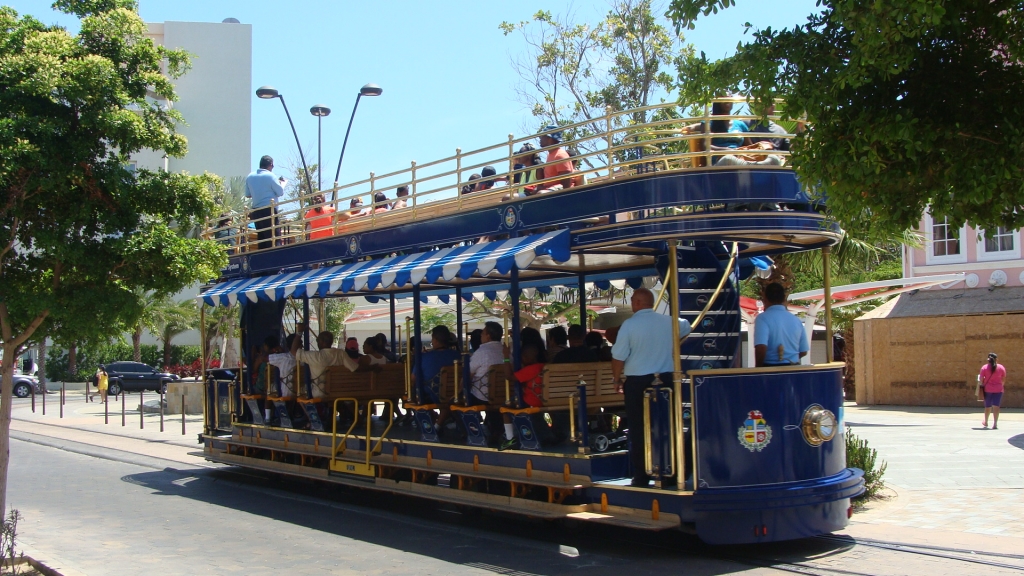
[(319, 219), (557, 159)]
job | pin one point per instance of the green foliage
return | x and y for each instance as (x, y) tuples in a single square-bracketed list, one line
[(572, 71), (430, 317), (81, 235), (859, 455), (337, 311), (88, 359), (908, 103)]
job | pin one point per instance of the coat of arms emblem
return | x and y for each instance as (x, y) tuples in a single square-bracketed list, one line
[(755, 433)]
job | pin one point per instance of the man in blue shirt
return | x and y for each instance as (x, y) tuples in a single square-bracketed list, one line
[(642, 354), (779, 336), (264, 187)]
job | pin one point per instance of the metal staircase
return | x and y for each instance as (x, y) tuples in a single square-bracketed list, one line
[(716, 342)]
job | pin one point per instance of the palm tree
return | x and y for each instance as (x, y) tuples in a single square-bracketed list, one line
[(177, 318), (155, 312)]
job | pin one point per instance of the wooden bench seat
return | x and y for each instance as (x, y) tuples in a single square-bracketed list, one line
[(388, 383), (561, 381)]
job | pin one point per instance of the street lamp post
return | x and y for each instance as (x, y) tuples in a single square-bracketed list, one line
[(368, 90), (320, 111), (269, 93)]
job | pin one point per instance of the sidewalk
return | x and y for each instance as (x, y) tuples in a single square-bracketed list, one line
[(950, 482), (84, 422)]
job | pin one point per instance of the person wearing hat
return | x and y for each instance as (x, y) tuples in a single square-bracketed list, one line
[(991, 378), (558, 162), (526, 158)]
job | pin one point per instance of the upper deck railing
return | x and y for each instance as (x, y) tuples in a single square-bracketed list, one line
[(618, 145)]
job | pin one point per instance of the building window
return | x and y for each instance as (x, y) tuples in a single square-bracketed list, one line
[(945, 239), (998, 244)]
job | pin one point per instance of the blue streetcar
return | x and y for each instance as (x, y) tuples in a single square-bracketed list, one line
[(737, 454)]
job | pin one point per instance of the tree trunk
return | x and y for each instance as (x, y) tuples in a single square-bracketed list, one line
[(72, 359), (167, 352), (42, 364), (6, 393), (137, 344)]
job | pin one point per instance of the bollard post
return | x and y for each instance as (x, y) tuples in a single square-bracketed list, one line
[(161, 410), (106, 412), (182, 414), (142, 412), (63, 393), (122, 407), (33, 399), (44, 402)]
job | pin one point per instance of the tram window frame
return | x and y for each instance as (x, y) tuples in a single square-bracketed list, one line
[(958, 257), (1000, 252)]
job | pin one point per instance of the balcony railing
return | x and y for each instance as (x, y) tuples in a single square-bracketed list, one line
[(612, 147)]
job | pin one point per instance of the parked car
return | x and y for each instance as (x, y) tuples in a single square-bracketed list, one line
[(24, 384), (135, 376)]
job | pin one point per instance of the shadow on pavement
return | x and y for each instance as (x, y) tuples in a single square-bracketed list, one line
[(1017, 441), (491, 541)]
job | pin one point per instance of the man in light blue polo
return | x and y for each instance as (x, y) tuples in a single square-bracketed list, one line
[(779, 336), (643, 352), (264, 187)]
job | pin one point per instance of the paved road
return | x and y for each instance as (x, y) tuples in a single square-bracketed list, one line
[(109, 500)]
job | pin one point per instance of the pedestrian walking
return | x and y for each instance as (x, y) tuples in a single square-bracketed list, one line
[(992, 376), (101, 383)]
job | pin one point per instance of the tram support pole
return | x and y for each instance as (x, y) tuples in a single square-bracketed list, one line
[(677, 369), (305, 320), (458, 316), (582, 287), (202, 373), (417, 329), (826, 266), (514, 336), (394, 345)]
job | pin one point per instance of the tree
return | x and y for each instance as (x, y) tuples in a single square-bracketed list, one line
[(80, 232), (573, 71), (179, 317), (909, 105)]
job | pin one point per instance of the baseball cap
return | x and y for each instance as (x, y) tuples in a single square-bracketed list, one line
[(556, 135), (487, 171)]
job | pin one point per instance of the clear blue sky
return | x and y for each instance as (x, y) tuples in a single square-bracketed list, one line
[(444, 68)]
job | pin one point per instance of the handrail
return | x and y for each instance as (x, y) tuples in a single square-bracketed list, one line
[(337, 448), (618, 148), (718, 290), (369, 424)]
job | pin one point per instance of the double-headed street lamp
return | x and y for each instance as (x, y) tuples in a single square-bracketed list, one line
[(368, 90), (320, 111), (269, 93)]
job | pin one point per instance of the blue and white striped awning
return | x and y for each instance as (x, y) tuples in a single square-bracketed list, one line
[(462, 262)]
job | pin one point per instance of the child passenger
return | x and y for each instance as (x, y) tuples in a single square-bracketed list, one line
[(531, 385)]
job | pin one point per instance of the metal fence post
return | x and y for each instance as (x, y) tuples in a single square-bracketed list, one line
[(44, 402), (182, 414), (61, 403), (122, 406), (106, 412), (33, 399), (142, 411), (161, 410)]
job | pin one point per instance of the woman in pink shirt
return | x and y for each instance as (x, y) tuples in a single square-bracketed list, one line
[(992, 376)]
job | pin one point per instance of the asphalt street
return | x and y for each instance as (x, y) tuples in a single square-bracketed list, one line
[(103, 499)]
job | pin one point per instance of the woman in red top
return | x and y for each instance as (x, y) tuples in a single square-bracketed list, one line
[(992, 376), (531, 385)]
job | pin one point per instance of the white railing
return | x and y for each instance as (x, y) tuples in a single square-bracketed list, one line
[(664, 142)]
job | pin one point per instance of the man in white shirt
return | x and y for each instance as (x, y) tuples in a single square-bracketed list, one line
[(320, 360), (285, 364), (489, 354)]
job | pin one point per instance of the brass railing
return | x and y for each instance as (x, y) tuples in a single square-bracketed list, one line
[(668, 142)]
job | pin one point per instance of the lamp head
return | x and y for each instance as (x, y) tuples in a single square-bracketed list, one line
[(320, 110), (267, 92), (370, 90)]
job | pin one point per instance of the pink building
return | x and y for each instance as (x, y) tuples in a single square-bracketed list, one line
[(987, 257)]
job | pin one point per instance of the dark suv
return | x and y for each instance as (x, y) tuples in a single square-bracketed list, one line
[(134, 376)]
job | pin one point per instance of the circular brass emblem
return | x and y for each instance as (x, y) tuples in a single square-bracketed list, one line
[(819, 425)]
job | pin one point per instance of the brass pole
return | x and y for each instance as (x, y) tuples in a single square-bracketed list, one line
[(202, 374), (827, 271), (677, 368)]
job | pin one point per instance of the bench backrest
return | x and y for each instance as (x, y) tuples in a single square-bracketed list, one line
[(561, 380), (388, 383)]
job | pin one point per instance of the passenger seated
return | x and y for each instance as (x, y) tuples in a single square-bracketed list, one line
[(357, 209), (401, 193), (284, 361), (596, 342), (319, 362), (558, 160), (380, 203), (525, 158), (489, 179), (352, 348), (578, 178), (371, 358), (225, 234), (531, 387), (557, 341), (443, 352), (381, 342), (471, 186), (578, 351), (319, 219)]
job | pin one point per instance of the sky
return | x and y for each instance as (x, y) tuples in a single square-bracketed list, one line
[(444, 68)]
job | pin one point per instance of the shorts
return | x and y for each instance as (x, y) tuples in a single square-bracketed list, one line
[(993, 399)]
